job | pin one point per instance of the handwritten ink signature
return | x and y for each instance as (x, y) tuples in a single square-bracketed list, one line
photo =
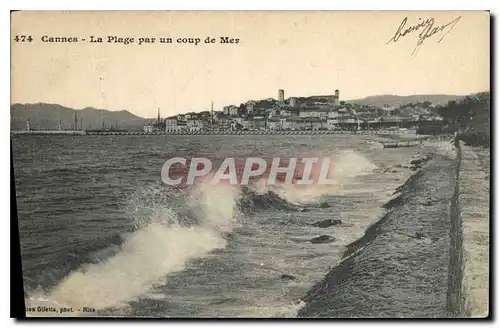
[(427, 29)]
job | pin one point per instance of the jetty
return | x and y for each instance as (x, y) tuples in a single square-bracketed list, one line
[(50, 132)]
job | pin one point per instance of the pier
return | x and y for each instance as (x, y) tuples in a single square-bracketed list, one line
[(50, 132)]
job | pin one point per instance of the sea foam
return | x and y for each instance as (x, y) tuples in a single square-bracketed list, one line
[(159, 246)]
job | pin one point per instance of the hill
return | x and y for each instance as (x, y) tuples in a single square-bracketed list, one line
[(47, 116), (393, 100)]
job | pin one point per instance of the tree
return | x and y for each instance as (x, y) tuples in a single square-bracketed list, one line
[(461, 114), (242, 110)]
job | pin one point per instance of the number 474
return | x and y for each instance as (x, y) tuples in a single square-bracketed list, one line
[(23, 38)]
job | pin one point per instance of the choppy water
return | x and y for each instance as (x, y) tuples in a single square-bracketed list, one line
[(99, 229)]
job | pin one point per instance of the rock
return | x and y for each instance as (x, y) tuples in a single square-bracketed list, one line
[(324, 205), (230, 235), (287, 277), (326, 223), (302, 209), (416, 161), (322, 239), (419, 235)]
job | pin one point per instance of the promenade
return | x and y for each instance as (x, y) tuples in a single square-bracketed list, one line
[(261, 132)]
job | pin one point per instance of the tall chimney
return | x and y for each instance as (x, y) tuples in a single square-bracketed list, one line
[(211, 114)]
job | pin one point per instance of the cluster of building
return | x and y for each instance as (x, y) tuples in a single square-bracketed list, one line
[(295, 113)]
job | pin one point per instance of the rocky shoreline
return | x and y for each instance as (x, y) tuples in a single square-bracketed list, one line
[(400, 267)]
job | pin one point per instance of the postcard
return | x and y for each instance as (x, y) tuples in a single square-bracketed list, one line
[(251, 164)]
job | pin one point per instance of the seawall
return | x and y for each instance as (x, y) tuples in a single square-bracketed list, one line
[(403, 264), (474, 204), (455, 297)]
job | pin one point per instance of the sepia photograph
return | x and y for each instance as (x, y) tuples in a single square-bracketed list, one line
[(251, 164)]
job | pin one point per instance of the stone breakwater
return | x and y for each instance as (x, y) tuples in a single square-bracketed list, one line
[(455, 303)]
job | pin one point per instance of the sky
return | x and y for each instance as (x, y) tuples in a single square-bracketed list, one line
[(303, 52)]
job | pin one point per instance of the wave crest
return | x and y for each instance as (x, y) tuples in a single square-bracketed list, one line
[(161, 244)]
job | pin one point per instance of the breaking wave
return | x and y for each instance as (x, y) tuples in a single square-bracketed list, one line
[(160, 245), (345, 166), (171, 229)]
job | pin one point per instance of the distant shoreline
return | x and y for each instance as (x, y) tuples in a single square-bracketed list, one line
[(205, 133)]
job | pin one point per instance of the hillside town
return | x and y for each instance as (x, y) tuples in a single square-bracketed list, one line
[(314, 113)]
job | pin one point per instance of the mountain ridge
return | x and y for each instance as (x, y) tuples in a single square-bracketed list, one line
[(396, 100), (46, 116)]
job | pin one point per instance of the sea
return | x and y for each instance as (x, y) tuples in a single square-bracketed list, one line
[(100, 230)]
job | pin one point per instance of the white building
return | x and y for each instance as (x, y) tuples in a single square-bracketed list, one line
[(350, 120), (333, 114), (194, 125), (314, 112), (233, 111), (273, 125), (171, 125), (285, 112), (148, 128), (286, 124), (331, 124), (230, 110), (250, 106)]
